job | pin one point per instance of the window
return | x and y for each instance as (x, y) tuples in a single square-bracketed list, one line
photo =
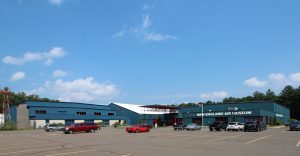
[(111, 114), (97, 113), (81, 113), (40, 111)]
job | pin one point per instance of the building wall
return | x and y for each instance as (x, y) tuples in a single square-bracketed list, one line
[(1, 119), (62, 112), (262, 111), (37, 124), (22, 117), (56, 121)]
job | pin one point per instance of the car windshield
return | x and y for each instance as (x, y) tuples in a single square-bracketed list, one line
[(232, 123)]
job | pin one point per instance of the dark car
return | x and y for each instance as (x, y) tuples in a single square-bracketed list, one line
[(53, 127), (254, 126), (179, 127), (217, 126), (294, 126)]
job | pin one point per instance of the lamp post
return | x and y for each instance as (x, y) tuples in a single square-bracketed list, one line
[(202, 119), (202, 115)]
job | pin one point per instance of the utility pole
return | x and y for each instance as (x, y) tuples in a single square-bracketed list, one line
[(5, 105)]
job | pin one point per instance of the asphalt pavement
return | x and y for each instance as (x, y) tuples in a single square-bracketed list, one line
[(158, 142)]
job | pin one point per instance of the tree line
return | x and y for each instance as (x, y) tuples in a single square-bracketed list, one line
[(17, 98)]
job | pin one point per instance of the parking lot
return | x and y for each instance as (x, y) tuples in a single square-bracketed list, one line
[(161, 141)]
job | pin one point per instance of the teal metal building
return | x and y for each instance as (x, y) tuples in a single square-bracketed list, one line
[(36, 114), (266, 112)]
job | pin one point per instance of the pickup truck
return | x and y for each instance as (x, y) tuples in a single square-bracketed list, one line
[(80, 127)]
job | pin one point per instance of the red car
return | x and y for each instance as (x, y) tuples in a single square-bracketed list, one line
[(137, 129), (80, 127), (145, 125)]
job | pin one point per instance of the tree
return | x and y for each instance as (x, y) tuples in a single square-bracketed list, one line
[(258, 96), (270, 95)]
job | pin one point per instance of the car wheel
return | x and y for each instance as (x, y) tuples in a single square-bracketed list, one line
[(50, 130)]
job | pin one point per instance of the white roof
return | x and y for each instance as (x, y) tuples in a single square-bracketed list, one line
[(142, 110)]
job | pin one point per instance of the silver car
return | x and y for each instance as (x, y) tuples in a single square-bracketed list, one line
[(53, 127), (193, 126)]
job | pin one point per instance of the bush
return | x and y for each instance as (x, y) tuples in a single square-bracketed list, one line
[(8, 127), (116, 124)]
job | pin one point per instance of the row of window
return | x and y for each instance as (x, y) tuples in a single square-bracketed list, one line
[(78, 113)]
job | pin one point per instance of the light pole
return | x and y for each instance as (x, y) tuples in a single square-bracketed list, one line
[(202, 115)]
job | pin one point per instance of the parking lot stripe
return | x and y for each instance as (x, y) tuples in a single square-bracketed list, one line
[(258, 139), (298, 144), (13, 147), (227, 137), (67, 153), (20, 143), (41, 149)]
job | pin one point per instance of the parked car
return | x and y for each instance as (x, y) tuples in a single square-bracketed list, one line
[(233, 126), (295, 126), (53, 127), (145, 125), (241, 126), (217, 126), (80, 127), (193, 126), (137, 129), (254, 126), (179, 127)]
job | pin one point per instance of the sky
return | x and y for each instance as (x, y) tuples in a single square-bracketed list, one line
[(148, 51)]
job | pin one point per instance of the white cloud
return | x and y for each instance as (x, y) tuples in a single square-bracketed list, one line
[(278, 77), (48, 57), (59, 73), (147, 6), (79, 90), (214, 95), (158, 37), (142, 31), (295, 77), (56, 2), (146, 22), (119, 34), (17, 76), (12, 60), (254, 82)]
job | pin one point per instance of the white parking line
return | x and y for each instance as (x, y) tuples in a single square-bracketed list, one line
[(227, 137), (13, 147), (67, 153), (41, 149), (258, 139), (20, 143), (298, 144)]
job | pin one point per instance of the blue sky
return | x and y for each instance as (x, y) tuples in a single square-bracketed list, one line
[(148, 52)]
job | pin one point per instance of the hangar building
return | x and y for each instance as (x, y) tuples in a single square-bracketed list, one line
[(37, 114), (228, 112)]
